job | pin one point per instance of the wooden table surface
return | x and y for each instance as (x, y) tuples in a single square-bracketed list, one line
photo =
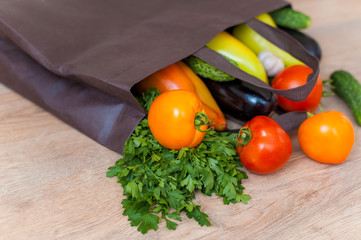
[(53, 184)]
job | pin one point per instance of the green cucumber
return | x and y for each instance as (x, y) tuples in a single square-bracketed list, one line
[(205, 70), (349, 89), (287, 17)]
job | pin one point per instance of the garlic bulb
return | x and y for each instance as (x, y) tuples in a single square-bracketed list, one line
[(271, 62)]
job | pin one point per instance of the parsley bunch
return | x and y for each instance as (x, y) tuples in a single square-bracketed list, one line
[(160, 183)]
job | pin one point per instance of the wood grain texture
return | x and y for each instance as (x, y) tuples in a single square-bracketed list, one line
[(53, 183)]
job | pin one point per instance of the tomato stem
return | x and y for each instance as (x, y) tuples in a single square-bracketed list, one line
[(245, 135), (309, 114), (327, 83), (201, 119), (326, 93)]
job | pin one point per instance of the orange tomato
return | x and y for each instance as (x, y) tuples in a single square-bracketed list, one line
[(173, 117), (180, 76), (327, 137)]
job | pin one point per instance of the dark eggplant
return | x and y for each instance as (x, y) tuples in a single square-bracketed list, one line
[(240, 100), (308, 42)]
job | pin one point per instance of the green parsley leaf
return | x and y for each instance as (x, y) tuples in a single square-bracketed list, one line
[(147, 98), (149, 221), (174, 215), (189, 183), (176, 199), (209, 181), (113, 171), (171, 225), (132, 188), (199, 216)]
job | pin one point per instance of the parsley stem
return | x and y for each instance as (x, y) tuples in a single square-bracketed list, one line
[(158, 179)]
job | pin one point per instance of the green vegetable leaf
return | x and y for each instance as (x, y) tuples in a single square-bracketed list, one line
[(190, 207), (139, 215), (133, 207), (174, 215), (199, 216), (189, 183), (176, 198), (209, 181), (229, 191), (132, 188), (244, 198), (171, 225), (113, 171), (149, 221), (147, 98), (157, 193), (213, 164)]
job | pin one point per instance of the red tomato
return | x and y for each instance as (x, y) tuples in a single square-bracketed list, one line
[(173, 117), (268, 150), (295, 76), (327, 137)]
